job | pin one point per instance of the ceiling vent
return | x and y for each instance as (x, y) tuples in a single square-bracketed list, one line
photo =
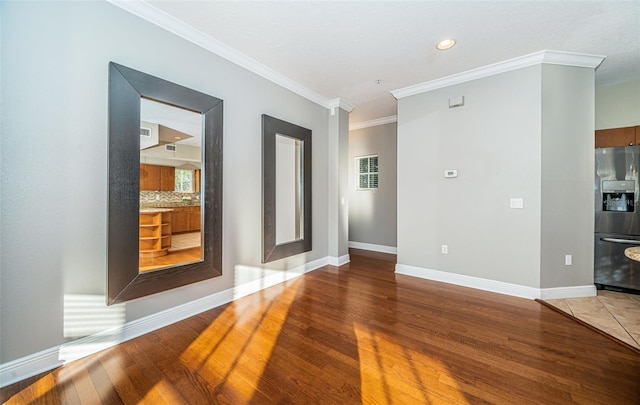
[(170, 148)]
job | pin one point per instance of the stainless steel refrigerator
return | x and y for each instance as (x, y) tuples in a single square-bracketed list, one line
[(617, 218)]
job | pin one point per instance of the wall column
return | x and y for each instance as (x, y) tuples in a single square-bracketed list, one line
[(338, 178)]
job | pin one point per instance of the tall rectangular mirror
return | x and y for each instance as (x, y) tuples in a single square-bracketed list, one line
[(147, 189), (286, 189)]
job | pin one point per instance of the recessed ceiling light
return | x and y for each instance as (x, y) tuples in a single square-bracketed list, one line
[(177, 138), (446, 44)]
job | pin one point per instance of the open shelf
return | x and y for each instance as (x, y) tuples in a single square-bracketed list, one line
[(154, 238)]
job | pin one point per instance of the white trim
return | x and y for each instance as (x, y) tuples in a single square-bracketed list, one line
[(374, 248), (548, 57), (568, 292), (500, 287), (345, 104), (374, 123), (339, 261), (158, 17), (28, 366)]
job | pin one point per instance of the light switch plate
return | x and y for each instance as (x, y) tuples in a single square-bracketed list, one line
[(516, 203)]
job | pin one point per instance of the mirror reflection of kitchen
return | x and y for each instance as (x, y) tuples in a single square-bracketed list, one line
[(170, 231)]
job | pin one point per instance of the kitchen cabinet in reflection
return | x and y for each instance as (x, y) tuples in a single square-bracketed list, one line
[(186, 219), (157, 178)]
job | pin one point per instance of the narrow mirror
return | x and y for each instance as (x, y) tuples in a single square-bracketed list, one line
[(286, 189), (170, 193), (289, 202)]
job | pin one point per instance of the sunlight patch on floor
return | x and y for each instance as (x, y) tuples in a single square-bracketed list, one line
[(73, 373), (396, 375), (234, 339), (162, 392), (36, 390)]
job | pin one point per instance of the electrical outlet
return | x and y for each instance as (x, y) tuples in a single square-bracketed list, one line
[(568, 260), (445, 249)]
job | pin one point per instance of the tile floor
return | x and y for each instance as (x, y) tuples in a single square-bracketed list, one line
[(614, 313)]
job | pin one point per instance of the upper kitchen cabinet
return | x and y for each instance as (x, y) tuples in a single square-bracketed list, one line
[(157, 178), (167, 178), (606, 138)]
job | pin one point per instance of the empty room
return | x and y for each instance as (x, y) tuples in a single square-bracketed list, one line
[(340, 202)]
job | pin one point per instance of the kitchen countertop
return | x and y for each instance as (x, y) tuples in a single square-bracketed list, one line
[(154, 210), (633, 253), (168, 205)]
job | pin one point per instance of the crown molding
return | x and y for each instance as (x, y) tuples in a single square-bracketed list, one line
[(542, 57), (373, 123), (169, 23), (345, 104), (572, 59)]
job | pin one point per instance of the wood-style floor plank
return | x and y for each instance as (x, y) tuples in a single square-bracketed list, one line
[(349, 335)]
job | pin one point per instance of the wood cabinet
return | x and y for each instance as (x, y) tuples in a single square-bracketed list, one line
[(154, 232), (157, 178), (626, 136), (186, 219), (197, 176), (194, 219), (167, 178)]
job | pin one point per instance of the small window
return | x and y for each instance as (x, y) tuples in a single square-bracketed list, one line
[(367, 172), (184, 181)]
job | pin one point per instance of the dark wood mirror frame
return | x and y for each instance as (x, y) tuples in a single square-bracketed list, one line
[(270, 128), (126, 88)]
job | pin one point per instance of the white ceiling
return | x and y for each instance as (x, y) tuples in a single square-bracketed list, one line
[(339, 49)]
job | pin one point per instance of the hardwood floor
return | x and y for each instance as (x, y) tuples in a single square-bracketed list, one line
[(173, 258), (350, 335)]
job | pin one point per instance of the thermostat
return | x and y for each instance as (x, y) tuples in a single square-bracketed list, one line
[(450, 173)]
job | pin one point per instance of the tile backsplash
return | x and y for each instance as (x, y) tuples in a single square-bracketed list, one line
[(167, 198)]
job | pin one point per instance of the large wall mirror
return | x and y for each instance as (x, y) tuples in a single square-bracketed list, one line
[(286, 189), (165, 185)]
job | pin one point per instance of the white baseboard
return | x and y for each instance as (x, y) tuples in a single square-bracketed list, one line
[(339, 261), (500, 287), (374, 248), (28, 366), (48, 359), (568, 292)]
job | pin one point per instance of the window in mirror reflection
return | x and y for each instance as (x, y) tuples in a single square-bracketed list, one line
[(170, 223), (184, 181), (289, 189)]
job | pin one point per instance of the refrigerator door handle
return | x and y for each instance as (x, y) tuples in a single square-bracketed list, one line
[(622, 241)]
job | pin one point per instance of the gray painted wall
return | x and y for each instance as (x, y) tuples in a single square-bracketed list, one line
[(54, 160), (526, 133), (618, 105), (567, 176), (372, 214), (493, 141)]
